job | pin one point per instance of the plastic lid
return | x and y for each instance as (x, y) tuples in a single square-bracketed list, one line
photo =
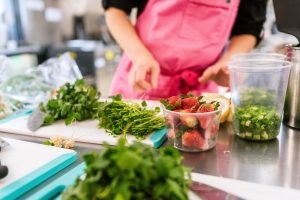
[(257, 65)]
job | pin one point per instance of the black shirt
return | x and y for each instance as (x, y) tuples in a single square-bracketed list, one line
[(250, 19)]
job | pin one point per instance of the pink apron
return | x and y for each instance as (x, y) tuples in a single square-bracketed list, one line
[(185, 37)]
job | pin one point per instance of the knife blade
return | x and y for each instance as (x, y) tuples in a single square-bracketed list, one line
[(36, 119)]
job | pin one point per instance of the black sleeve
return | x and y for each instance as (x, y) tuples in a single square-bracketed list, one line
[(250, 19), (125, 5)]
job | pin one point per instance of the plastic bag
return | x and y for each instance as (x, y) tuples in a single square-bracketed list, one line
[(58, 71), (35, 84), (4, 69)]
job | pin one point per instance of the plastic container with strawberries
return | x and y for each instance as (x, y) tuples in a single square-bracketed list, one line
[(193, 123)]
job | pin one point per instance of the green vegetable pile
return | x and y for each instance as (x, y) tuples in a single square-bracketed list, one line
[(117, 117), (257, 122), (136, 172), (73, 102), (256, 118), (80, 102)]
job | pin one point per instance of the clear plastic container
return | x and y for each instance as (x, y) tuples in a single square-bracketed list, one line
[(193, 132), (258, 88)]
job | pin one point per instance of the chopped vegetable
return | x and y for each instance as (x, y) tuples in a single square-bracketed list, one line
[(135, 172), (117, 116), (73, 102), (256, 122)]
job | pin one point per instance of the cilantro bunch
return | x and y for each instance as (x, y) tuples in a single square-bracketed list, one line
[(135, 172), (117, 117), (73, 102)]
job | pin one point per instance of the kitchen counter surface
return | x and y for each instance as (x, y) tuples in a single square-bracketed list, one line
[(275, 162)]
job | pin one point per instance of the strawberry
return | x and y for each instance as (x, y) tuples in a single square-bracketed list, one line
[(188, 120), (207, 107), (169, 120), (205, 120), (171, 133), (190, 103), (193, 139), (212, 131), (175, 102)]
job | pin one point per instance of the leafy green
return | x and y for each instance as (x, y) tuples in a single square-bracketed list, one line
[(80, 102), (135, 172), (73, 102), (256, 122), (139, 121)]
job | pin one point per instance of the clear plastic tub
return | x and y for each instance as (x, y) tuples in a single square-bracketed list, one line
[(193, 132), (258, 88)]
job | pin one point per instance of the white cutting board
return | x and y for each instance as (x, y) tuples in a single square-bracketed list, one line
[(85, 131), (29, 164)]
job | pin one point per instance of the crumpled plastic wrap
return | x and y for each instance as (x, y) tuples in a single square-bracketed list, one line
[(57, 71), (35, 84)]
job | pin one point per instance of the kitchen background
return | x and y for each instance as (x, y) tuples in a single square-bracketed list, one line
[(31, 31)]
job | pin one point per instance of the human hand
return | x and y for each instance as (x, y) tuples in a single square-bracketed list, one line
[(218, 73), (145, 65)]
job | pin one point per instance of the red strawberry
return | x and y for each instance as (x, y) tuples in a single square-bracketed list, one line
[(206, 108), (171, 133), (193, 139), (188, 120), (169, 120), (205, 120), (175, 102), (190, 103), (212, 131)]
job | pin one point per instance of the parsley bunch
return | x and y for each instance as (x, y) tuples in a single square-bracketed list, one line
[(117, 117), (73, 102), (135, 172)]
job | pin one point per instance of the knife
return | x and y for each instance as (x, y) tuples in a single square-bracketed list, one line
[(36, 119)]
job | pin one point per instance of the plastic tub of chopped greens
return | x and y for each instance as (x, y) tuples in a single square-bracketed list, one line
[(258, 88)]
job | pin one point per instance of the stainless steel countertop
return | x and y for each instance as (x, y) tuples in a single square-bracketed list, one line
[(275, 162)]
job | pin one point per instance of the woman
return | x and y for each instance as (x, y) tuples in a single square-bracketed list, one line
[(176, 43)]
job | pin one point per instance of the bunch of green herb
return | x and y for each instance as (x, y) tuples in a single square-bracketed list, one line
[(136, 172), (73, 102), (256, 122), (117, 117)]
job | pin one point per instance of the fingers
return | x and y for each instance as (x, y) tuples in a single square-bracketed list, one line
[(208, 74), (154, 76), (137, 79), (140, 80)]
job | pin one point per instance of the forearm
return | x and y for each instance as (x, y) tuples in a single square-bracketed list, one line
[(238, 44), (124, 33)]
